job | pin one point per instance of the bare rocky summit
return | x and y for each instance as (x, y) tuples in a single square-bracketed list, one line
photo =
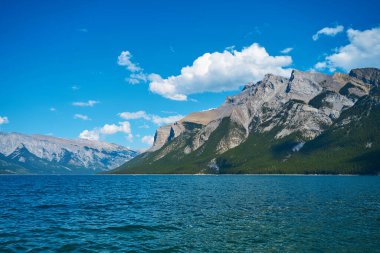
[(300, 108)]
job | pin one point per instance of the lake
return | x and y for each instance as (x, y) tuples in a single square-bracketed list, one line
[(188, 213)]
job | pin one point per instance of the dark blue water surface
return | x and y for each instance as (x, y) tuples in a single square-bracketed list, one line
[(189, 213)]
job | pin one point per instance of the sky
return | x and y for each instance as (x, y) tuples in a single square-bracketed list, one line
[(117, 70)]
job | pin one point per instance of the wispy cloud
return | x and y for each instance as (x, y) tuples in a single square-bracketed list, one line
[(81, 116), (158, 120), (83, 30), (145, 126), (147, 139), (165, 120), (137, 73), (4, 120), (287, 50), (89, 103), (75, 87), (328, 31), (363, 50), (124, 59), (136, 78), (135, 115), (169, 112)]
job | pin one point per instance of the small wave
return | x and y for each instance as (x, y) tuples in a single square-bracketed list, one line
[(131, 228), (50, 206)]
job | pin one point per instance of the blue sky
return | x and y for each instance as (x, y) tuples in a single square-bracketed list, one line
[(56, 56)]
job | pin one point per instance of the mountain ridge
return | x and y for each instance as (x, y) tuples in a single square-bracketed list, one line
[(41, 154), (267, 126)]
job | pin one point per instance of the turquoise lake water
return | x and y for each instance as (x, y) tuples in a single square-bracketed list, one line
[(189, 213)]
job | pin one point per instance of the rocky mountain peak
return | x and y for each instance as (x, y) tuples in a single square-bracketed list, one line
[(267, 122), (367, 75), (50, 155)]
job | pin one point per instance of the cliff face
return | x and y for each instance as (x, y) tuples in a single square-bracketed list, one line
[(276, 110)]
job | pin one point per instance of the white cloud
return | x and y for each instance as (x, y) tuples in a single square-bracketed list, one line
[(136, 78), (134, 115), (123, 127), (328, 31), (145, 126), (129, 137), (158, 120), (286, 50), (4, 120), (216, 72), (169, 112), (362, 51), (90, 135), (137, 74), (89, 103), (107, 129), (165, 120), (81, 116), (147, 139), (52, 109), (124, 59), (75, 87)]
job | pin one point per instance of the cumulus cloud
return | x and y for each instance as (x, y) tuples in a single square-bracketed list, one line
[(328, 31), (286, 50), (216, 72), (4, 120), (362, 51), (81, 116), (124, 127), (211, 72), (107, 129), (89, 103), (158, 120), (90, 135), (147, 139)]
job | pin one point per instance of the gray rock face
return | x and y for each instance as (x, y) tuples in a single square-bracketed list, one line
[(304, 104), (367, 75)]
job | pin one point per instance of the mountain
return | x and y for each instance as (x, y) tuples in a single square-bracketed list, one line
[(308, 123), (39, 154)]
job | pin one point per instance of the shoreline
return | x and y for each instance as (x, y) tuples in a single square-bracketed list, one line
[(311, 175)]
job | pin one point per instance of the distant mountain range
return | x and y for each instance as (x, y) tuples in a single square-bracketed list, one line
[(308, 123), (39, 154)]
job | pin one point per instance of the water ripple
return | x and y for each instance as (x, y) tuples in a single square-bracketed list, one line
[(189, 214)]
